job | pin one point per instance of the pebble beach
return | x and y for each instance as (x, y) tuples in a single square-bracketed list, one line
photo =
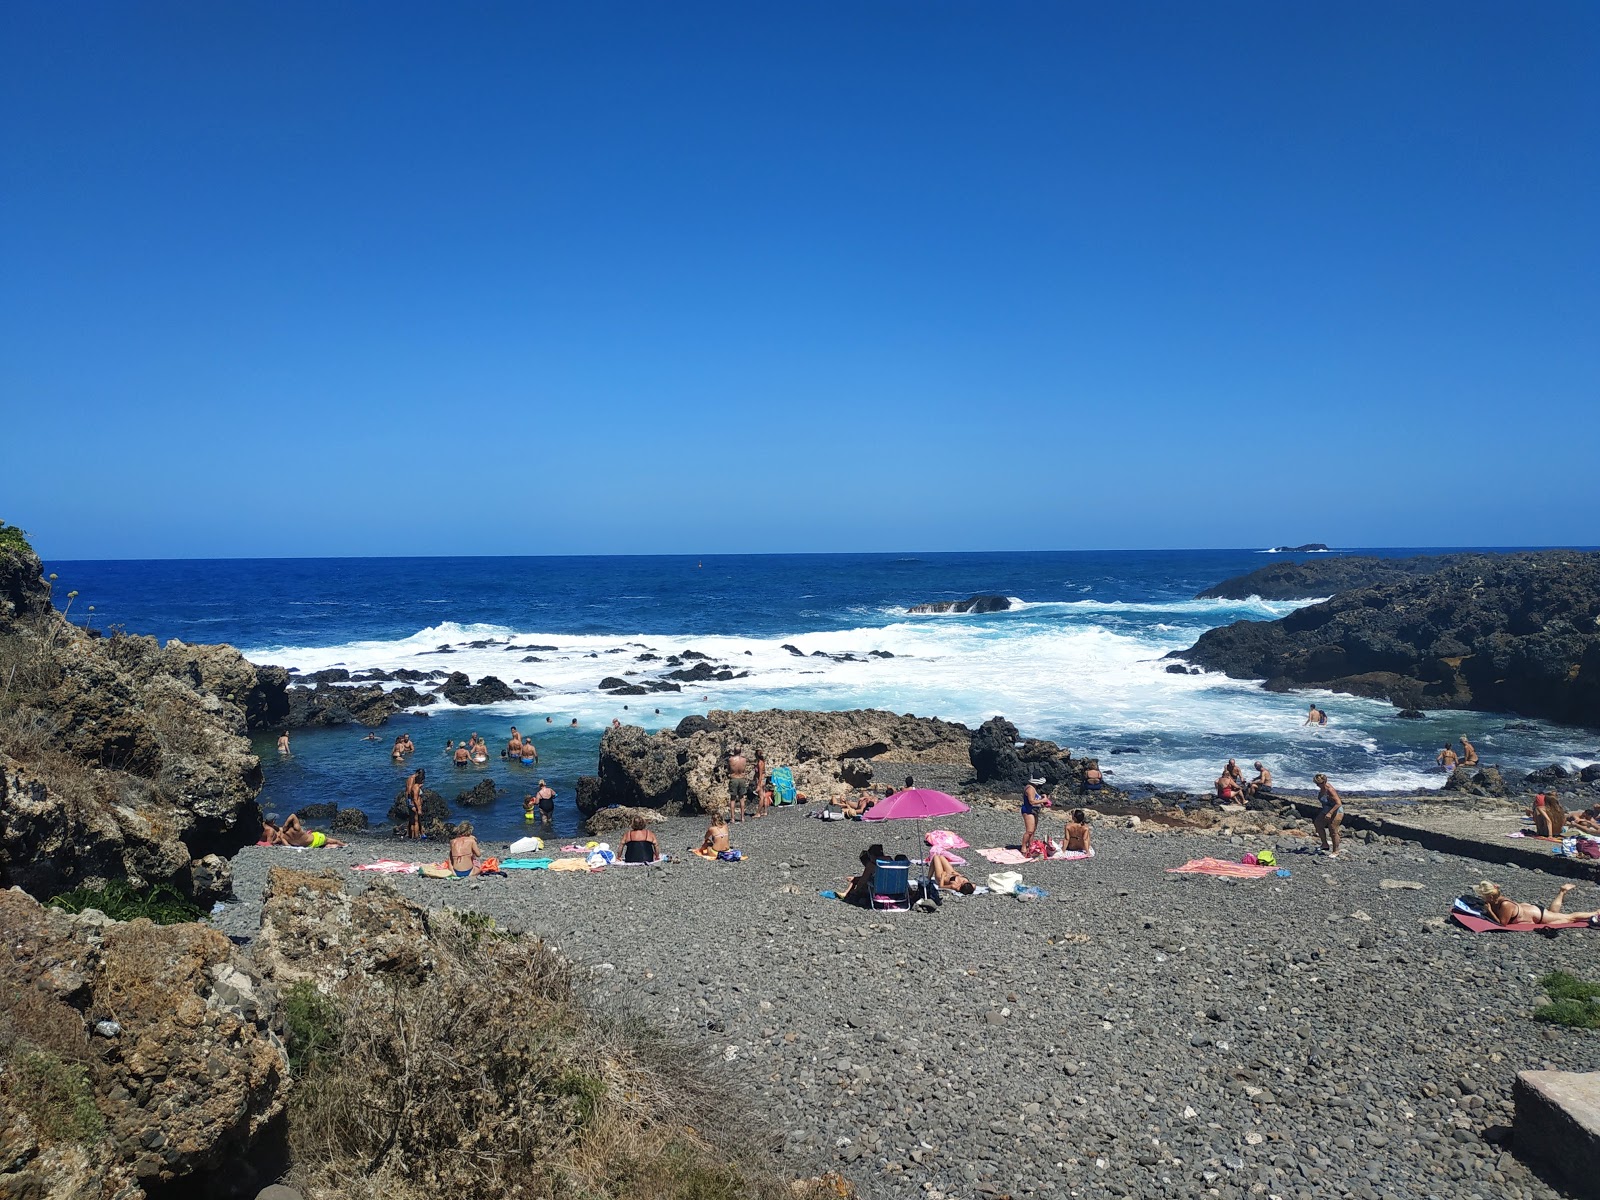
[(1134, 1033)]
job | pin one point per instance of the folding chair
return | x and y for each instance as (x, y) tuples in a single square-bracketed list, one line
[(891, 884)]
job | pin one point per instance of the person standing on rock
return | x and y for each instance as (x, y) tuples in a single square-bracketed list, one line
[(1330, 816), (738, 784), (414, 800), (1469, 753), (1446, 759)]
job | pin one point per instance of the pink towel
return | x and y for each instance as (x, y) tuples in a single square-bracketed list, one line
[(387, 866), (942, 840), (1215, 866), (1004, 855), (950, 856)]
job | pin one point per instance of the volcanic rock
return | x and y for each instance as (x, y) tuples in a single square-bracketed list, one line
[(972, 604), (458, 689), (480, 794)]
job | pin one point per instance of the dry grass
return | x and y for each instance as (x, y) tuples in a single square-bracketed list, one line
[(44, 1051), (491, 1077)]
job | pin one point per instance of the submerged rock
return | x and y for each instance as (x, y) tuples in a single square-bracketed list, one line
[(972, 604)]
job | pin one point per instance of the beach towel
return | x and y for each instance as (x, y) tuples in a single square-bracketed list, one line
[(525, 864), (388, 866), (1008, 857), (950, 856), (1215, 866), (435, 871), (569, 864), (782, 785), (1476, 924), (943, 839)]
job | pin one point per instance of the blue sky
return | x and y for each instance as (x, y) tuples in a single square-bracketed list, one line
[(310, 279)]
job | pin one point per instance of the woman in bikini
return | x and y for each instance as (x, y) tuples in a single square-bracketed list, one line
[(716, 839), (1503, 910), (947, 877), (1077, 838)]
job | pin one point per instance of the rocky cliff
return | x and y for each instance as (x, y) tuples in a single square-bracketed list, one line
[(119, 757), (686, 771), (1515, 633), (1329, 576)]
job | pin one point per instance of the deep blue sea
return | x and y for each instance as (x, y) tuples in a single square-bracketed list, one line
[(1077, 660)]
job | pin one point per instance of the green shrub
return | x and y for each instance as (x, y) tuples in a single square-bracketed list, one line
[(12, 538), (56, 1096), (1574, 1002), (312, 1022), (121, 901)]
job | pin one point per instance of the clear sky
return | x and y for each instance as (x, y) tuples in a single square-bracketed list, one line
[(309, 278)]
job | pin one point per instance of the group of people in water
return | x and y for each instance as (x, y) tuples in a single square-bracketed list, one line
[(1449, 760)]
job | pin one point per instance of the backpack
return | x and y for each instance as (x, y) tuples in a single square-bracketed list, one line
[(1266, 858)]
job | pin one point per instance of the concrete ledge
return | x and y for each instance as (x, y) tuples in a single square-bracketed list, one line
[(1556, 1131), (1535, 856)]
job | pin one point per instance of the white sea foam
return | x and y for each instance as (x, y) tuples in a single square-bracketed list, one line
[(1083, 672)]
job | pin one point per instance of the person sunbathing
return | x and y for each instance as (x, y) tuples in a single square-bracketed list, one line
[(464, 851), (1588, 821), (1549, 818), (1077, 838), (295, 834), (639, 844), (1503, 910), (716, 839), (858, 808), (945, 875)]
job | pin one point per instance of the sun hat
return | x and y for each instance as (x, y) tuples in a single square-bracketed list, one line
[(1037, 782)]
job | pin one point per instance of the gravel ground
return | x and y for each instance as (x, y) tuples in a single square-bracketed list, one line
[(1135, 1034)]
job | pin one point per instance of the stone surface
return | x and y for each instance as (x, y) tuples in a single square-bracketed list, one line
[(1557, 1128), (972, 604)]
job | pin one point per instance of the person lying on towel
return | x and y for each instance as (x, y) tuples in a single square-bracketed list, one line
[(947, 877), (1503, 910), (295, 834)]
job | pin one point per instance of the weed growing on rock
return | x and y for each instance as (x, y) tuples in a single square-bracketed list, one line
[(56, 1096), (121, 901), (1574, 1002), (14, 539), (312, 1023)]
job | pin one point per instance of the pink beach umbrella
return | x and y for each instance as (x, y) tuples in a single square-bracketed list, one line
[(914, 804)]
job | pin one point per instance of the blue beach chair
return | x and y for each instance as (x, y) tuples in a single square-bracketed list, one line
[(891, 884)]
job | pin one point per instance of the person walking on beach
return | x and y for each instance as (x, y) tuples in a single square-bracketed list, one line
[(1330, 816), (738, 784), (1469, 753), (414, 800), (1446, 758)]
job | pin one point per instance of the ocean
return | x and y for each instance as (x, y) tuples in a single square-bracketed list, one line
[(1078, 659)]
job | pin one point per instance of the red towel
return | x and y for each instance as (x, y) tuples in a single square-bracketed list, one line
[(1215, 866)]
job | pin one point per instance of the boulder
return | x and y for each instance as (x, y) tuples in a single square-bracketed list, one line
[(349, 820), (972, 604), (1590, 774), (184, 1080), (317, 812), (479, 795), (434, 808), (458, 689), (699, 673), (687, 771), (1001, 761)]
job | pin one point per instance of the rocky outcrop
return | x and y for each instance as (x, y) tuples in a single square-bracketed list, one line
[(1515, 633), (1307, 548), (458, 689), (478, 796), (1003, 760), (687, 772), (434, 809), (159, 1039), (1329, 576), (119, 756), (972, 604)]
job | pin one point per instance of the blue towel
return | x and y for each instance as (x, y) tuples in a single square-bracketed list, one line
[(525, 864)]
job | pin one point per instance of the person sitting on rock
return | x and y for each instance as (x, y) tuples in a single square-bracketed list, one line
[(639, 844), (464, 851), (946, 877), (1549, 818), (1469, 753), (1227, 787), (1260, 785), (1077, 835), (1446, 758), (295, 834), (1093, 781), (716, 839), (1503, 910)]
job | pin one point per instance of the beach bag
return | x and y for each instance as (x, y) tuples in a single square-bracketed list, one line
[(1250, 860), (1266, 858), (525, 846), (1005, 882), (730, 855)]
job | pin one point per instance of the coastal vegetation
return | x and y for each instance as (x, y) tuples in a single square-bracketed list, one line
[(1574, 1002), (121, 901)]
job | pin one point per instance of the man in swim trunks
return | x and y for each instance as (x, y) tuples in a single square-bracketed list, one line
[(738, 784), (530, 753), (1330, 816), (294, 834), (1503, 910), (1093, 781), (1261, 783), (464, 851), (546, 797), (463, 756), (1446, 758), (1469, 753)]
